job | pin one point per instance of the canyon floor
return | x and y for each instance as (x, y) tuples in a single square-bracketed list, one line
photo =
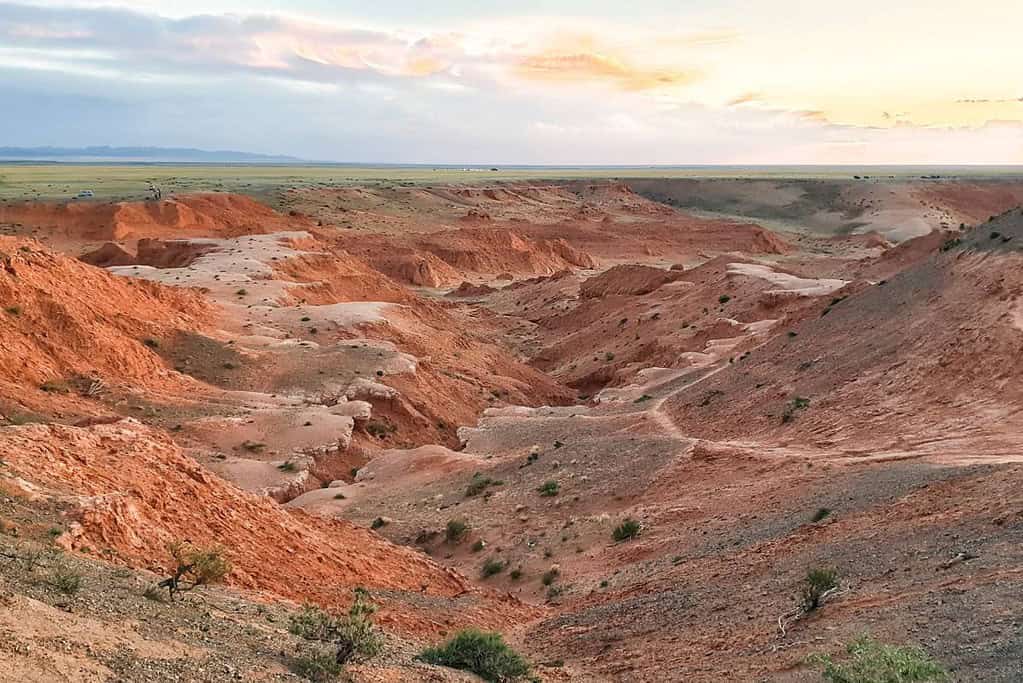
[(451, 395)]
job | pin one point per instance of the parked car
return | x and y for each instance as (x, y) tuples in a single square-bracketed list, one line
[(85, 194)]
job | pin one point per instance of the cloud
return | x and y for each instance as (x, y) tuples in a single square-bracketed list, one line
[(218, 45), (1003, 100), (595, 67), (745, 98)]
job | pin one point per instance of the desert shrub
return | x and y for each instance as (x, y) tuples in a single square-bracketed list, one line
[(151, 343), (287, 466), (873, 662), (629, 528), (724, 299), (485, 654), (643, 399), (794, 406), (478, 484), (195, 567), (13, 310), (491, 567), (65, 579), (478, 545), (818, 582), (549, 576), (549, 488), (456, 530), (379, 429), (154, 593), (318, 664), (377, 523), (820, 514), (350, 638), (515, 574)]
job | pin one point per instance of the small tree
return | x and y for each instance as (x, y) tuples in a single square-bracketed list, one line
[(349, 638), (195, 567), (819, 584)]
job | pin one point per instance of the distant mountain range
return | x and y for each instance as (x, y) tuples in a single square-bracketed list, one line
[(146, 154)]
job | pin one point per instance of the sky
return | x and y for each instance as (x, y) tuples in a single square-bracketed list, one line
[(527, 82)]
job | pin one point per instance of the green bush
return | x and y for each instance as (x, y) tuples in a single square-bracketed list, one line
[(549, 576), (794, 406), (821, 514), (549, 488), (65, 579), (484, 654), (318, 664), (629, 528), (491, 567), (479, 484), (873, 662), (456, 531), (818, 582)]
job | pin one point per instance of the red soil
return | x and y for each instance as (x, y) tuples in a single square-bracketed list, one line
[(62, 319), (135, 492), (200, 215)]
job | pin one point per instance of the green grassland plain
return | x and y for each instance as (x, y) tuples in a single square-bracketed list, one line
[(116, 182)]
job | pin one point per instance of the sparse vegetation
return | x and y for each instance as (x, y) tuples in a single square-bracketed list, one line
[(379, 429), (65, 579), (287, 466), (54, 386), (478, 484), (349, 638), (873, 662), (479, 545), (818, 585), (484, 654), (724, 299), (515, 574), (378, 523), (151, 343), (951, 243), (549, 488), (794, 406), (643, 399), (456, 531), (13, 310), (628, 529), (549, 576), (195, 566), (491, 567), (820, 514)]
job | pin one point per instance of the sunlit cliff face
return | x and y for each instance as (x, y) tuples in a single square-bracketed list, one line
[(697, 82)]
